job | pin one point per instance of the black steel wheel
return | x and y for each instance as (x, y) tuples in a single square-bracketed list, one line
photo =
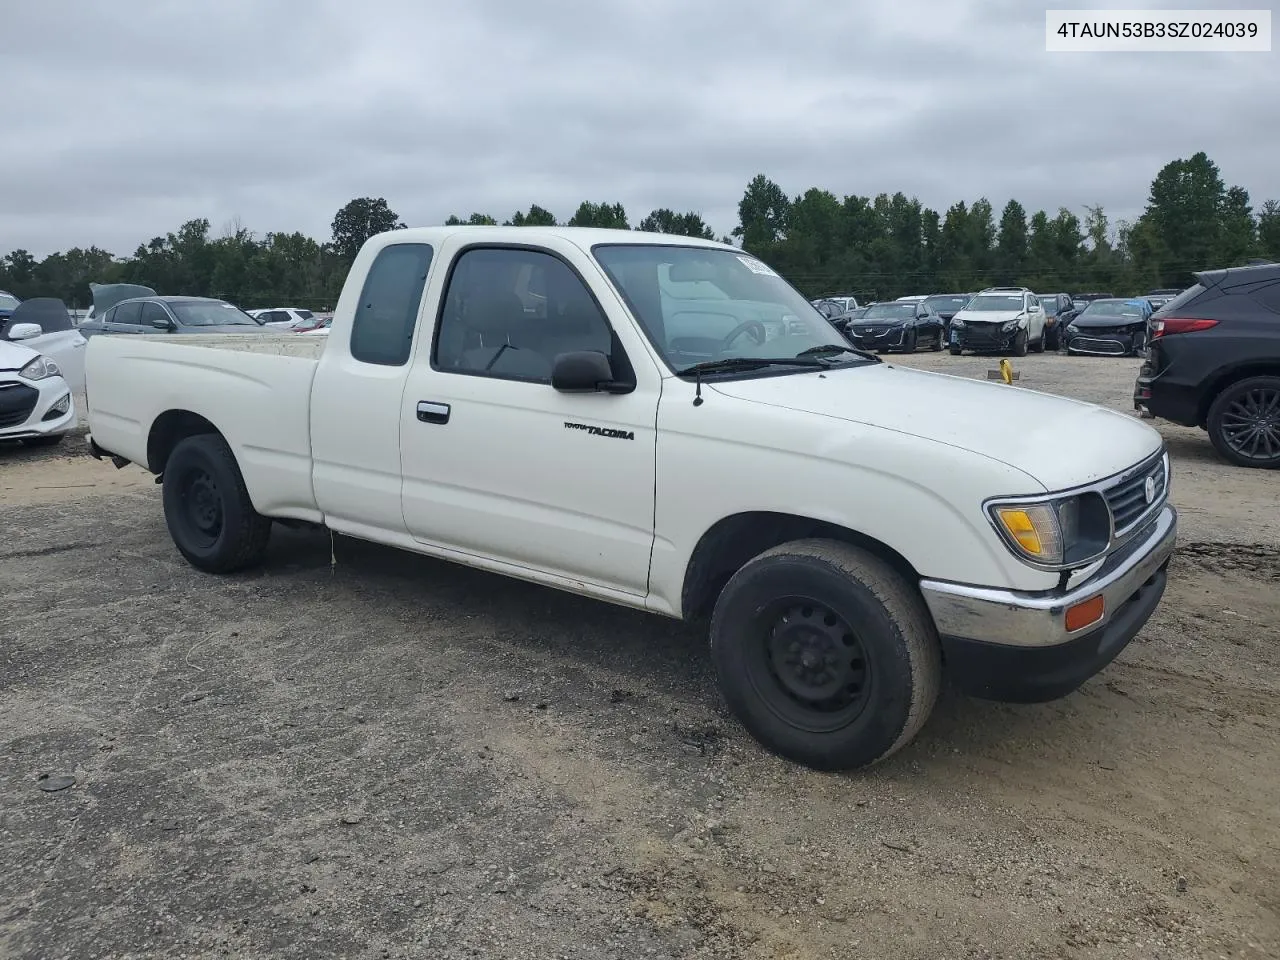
[(1244, 423), (825, 654), (207, 507), (812, 670)]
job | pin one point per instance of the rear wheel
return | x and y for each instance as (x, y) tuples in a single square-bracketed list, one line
[(825, 654), (956, 350), (1244, 423), (207, 507)]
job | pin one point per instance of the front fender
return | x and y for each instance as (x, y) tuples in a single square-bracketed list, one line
[(920, 498)]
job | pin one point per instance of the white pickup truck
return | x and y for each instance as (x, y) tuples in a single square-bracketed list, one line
[(663, 422)]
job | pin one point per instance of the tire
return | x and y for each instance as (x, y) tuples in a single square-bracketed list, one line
[(1139, 346), (1020, 344), (936, 346), (45, 441), (207, 507), (1053, 341), (815, 590), (1253, 402), (956, 350), (910, 342), (1038, 346)]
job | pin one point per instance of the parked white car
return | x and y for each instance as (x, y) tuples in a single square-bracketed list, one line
[(1000, 320), (36, 406), (43, 324), (281, 317), (617, 441)]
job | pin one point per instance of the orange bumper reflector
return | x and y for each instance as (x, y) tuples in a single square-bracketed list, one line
[(1084, 613)]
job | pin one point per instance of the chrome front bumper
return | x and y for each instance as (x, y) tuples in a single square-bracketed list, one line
[(1037, 620)]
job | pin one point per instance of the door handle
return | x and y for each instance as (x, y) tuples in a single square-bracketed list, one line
[(431, 412)]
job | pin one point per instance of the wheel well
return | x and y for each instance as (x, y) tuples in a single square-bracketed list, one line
[(731, 542), (1264, 368), (170, 429)]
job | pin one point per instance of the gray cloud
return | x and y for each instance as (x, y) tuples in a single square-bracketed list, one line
[(128, 118)]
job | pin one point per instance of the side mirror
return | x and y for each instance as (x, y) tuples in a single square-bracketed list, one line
[(586, 371), (163, 323), (25, 331)]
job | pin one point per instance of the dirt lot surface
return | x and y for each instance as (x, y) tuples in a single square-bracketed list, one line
[(388, 756)]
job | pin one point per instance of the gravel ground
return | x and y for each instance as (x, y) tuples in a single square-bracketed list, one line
[(364, 753)]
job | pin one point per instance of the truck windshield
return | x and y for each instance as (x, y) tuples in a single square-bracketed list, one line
[(698, 304), (210, 313)]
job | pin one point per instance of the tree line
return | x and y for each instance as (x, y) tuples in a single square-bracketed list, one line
[(873, 247)]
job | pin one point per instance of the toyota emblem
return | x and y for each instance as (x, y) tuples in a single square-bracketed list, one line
[(1149, 489)]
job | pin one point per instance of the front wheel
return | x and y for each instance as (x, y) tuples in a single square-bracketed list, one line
[(1020, 344), (207, 507), (956, 349), (825, 654), (910, 340), (1052, 340), (1139, 346), (1244, 423), (936, 346), (1038, 346)]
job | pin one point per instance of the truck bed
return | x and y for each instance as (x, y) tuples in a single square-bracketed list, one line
[(254, 388)]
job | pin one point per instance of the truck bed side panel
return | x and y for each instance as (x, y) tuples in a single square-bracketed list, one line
[(256, 396)]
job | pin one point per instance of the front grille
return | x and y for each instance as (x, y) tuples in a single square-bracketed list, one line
[(1095, 345), (984, 335), (1127, 498), (17, 400)]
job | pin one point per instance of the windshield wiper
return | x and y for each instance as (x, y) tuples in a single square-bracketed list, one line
[(747, 363), (837, 348)]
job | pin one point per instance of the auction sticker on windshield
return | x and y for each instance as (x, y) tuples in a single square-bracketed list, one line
[(755, 266)]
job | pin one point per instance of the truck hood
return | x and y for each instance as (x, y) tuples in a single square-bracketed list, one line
[(1059, 442), (14, 356)]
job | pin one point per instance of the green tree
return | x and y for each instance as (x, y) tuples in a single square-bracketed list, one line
[(536, 217), (1183, 212), (475, 220), (762, 215), (610, 216), (1011, 244), (359, 220), (1269, 230), (688, 224), (1237, 232)]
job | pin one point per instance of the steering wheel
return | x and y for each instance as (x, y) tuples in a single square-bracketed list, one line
[(757, 330)]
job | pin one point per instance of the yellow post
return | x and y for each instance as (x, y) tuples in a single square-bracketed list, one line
[(1006, 371)]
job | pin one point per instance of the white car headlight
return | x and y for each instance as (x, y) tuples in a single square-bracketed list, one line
[(39, 369), (957, 322)]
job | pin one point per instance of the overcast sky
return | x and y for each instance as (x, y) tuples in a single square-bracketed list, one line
[(121, 120)]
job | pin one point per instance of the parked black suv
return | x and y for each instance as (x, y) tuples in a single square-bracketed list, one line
[(1214, 362)]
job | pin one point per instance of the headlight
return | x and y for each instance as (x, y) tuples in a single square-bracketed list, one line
[(39, 369), (1012, 325), (1063, 532), (957, 322)]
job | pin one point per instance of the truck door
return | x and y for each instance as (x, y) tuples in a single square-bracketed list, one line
[(499, 464), (358, 389)]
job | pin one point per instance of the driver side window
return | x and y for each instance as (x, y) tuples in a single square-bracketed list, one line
[(508, 313)]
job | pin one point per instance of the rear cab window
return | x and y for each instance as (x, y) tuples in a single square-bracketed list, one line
[(387, 312)]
